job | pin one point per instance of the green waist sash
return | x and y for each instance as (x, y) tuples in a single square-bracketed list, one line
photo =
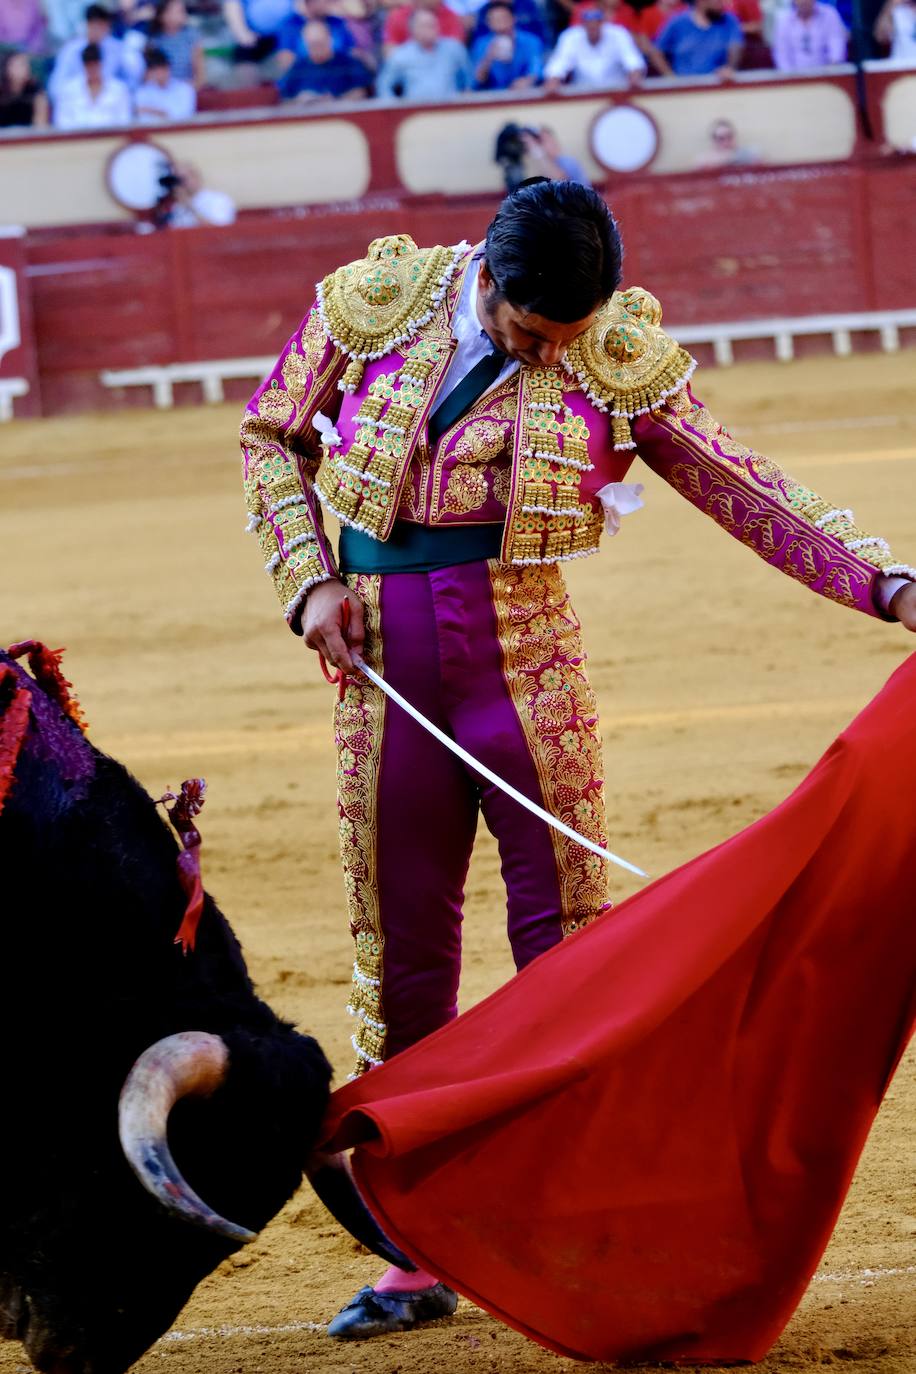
[(417, 548)]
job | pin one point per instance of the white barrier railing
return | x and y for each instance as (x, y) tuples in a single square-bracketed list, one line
[(784, 332), (10, 388), (210, 375), (887, 323)]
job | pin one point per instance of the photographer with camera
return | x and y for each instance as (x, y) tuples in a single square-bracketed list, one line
[(525, 152), (547, 159), (186, 203)]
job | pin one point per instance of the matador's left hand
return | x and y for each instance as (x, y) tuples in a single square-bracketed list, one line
[(903, 606)]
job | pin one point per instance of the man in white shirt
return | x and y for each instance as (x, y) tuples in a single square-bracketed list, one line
[(92, 100), (163, 98), (594, 53), (808, 34)]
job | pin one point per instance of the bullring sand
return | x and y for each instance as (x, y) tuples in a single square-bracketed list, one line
[(720, 683)]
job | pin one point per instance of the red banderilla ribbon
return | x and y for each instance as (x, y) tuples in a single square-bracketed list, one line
[(338, 678)]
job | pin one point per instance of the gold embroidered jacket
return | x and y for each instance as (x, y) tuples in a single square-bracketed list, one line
[(341, 424)]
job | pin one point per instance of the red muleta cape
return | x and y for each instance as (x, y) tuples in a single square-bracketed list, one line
[(638, 1148)]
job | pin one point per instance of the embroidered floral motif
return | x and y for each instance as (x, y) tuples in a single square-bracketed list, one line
[(280, 460), (545, 674), (466, 489), (502, 483), (480, 441), (359, 721), (804, 558)]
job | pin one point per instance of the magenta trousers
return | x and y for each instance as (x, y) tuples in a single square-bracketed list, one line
[(492, 655)]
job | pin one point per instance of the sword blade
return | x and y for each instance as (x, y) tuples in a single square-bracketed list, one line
[(488, 773)]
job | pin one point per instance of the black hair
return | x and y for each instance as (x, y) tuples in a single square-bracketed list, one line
[(155, 57), (91, 53), (98, 12), (553, 250), (499, 5)]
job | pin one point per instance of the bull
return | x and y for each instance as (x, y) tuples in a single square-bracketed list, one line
[(111, 1214)]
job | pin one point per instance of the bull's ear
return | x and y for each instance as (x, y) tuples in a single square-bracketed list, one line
[(333, 1181), (191, 1063)]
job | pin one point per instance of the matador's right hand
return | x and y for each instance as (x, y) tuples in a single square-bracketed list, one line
[(322, 624)]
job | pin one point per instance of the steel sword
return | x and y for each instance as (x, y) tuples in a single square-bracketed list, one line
[(481, 768)]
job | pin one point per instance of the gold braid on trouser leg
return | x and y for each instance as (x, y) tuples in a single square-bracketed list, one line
[(359, 722), (544, 667)]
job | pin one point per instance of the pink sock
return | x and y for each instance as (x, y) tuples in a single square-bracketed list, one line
[(396, 1280)]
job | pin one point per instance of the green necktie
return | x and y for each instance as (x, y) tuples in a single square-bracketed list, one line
[(457, 402)]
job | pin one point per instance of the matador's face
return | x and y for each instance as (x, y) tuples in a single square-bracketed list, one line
[(527, 338)]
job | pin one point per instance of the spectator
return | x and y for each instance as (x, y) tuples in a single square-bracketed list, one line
[(398, 22), (547, 159), (191, 205), (117, 63), (255, 26), (704, 40), (92, 100), (505, 58), (594, 53), (808, 34), (322, 72), (724, 149), (290, 42), (171, 31), (896, 25), (162, 96), (428, 67), (23, 25), (529, 17), (23, 104)]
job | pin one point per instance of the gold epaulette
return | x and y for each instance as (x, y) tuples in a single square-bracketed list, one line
[(371, 306), (626, 362)]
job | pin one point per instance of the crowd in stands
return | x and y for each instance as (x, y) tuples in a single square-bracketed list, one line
[(145, 61)]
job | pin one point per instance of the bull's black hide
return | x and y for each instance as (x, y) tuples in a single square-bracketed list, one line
[(92, 1268)]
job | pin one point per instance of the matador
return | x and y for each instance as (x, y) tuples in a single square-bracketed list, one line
[(469, 417)]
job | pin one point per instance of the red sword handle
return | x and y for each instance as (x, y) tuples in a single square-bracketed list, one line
[(338, 678)]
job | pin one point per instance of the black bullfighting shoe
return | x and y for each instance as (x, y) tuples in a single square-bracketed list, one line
[(381, 1314)]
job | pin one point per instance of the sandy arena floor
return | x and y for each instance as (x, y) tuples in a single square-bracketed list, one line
[(720, 684)]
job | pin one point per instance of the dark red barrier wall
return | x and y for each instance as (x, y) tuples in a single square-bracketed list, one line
[(713, 247)]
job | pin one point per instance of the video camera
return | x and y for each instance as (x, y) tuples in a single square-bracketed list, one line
[(510, 153)]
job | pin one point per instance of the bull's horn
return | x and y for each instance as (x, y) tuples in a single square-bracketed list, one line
[(191, 1063), (333, 1181)]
